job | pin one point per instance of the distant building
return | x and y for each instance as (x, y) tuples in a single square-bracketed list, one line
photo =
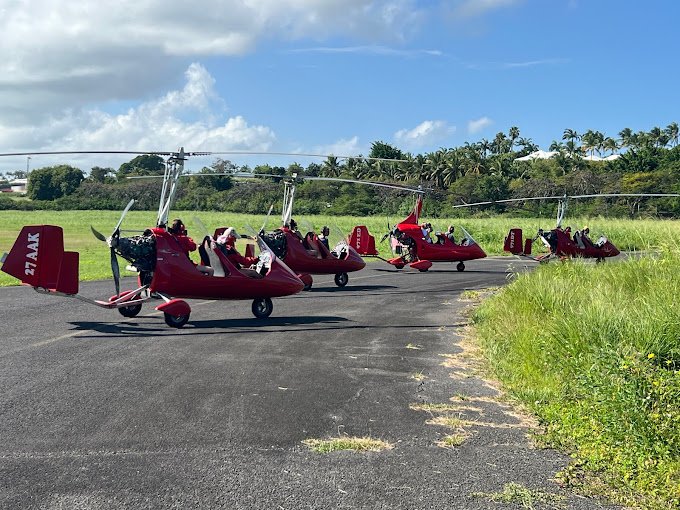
[(19, 185)]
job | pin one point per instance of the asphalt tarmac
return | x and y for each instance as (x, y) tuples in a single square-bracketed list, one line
[(99, 411)]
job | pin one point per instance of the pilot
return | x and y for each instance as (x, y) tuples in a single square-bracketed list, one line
[(323, 236), (227, 244), (294, 229), (179, 233)]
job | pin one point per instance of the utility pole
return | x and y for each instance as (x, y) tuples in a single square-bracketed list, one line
[(28, 158)]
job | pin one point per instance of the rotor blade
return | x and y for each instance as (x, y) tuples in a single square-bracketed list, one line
[(562, 197), (127, 208), (98, 235), (627, 195), (48, 153), (367, 183), (115, 270)]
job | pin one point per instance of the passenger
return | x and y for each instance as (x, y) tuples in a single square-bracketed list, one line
[(179, 233), (323, 236), (426, 228), (227, 244), (585, 233), (449, 234)]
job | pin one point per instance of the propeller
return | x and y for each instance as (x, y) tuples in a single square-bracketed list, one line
[(113, 243), (388, 234), (266, 219)]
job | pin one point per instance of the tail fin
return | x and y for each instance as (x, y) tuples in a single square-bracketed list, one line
[(362, 241), (38, 259), (513, 243)]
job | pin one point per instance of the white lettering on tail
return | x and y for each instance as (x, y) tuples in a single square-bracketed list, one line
[(32, 246)]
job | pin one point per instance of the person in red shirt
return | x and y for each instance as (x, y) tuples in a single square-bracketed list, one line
[(179, 232), (226, 242)]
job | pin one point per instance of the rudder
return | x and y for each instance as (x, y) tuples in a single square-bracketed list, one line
[(513, 242), (37, 258), (362, 241)]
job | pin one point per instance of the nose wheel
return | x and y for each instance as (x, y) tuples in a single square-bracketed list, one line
[(175, 321), (262, 307), (460, 266), (130, 311), (341, 279)]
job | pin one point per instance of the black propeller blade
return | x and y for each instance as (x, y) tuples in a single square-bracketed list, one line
[(113, 243)]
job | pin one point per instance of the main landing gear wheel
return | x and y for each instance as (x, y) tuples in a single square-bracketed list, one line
[(130, 311), (262, 307), (460, 266), (341, 279), (399, 266), (308, 286), (599, 260), (176, 321)]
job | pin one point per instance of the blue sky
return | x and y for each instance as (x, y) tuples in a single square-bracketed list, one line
[(327, 76)]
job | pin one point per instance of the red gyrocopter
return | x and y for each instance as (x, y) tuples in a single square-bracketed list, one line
[(165, 271), (561, 242), (413, 247), (305, 253)]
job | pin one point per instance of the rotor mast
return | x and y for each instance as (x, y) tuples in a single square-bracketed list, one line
[(174, 167), (288, 196), (561, 210)]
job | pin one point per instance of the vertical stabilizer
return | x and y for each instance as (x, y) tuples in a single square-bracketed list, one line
[(513, 242), (37, 258), (362, 241)]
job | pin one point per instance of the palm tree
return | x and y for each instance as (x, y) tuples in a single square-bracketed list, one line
[(556, 146), (589, 141), (673, 133), (626, 134), (513, 134), (527, 144), (331, 167), (570, 134), (610, 144), (499, 144)]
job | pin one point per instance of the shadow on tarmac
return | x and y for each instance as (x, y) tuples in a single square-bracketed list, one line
[(139, 328)]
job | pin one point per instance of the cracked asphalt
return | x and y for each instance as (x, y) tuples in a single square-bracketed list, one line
[(99, 411)]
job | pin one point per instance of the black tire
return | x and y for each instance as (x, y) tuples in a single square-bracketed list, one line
[(423, 270), (460, 266), (307, 286), (399, 266), (176, 321), (262, 307), (130, 311), (341, 279), (599, 260)]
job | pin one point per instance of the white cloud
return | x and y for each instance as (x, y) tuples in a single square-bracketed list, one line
[(475, 126), (425, 134), (343, 147), (184, 117), (61, 55)]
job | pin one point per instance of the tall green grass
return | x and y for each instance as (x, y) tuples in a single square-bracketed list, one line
[(489, 233), (594, 351)]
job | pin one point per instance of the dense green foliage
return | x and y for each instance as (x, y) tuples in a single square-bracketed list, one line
[(478, 172), (54, 182), (594, 351)]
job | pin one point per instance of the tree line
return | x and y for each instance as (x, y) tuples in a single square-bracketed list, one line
[(487, 170)]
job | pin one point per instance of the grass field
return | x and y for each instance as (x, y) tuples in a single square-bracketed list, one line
[(489, 233), (594, 352)]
